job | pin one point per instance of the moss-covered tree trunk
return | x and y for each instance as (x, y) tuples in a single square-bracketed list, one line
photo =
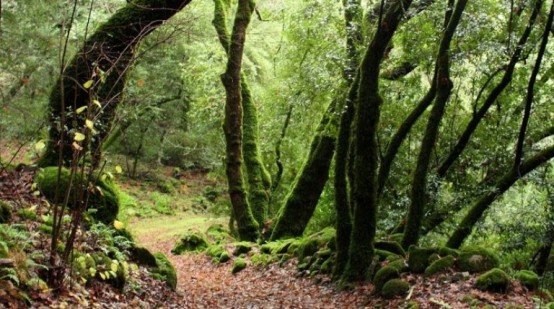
[(364, 147), (480, 206), (444, 87), (248, 228), (302, 200), (97, 74), (259, 180)]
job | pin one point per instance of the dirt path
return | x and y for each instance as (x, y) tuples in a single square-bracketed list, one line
[(206, 285)]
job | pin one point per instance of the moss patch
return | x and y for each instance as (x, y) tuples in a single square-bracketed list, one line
[(390, 246), (242, 247), (395, 287), (383, 276), (476, 259), (192, 241), (238, 265), (528, 278), (418, 258), (165, 270), (104, 197), (495, 280), (440, 265)]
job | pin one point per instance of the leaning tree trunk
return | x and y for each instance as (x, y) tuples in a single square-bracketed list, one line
[(302, 200), (248, 228), (364, 134), (444, 87), (97, 74)]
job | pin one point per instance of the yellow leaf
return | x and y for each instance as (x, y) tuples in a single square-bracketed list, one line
[(89, 124), (76, 146), (97, 103), (79, 137), (39, 146), (118, 225), (81, 109), (88, 84), (118, 169), (140, 82)]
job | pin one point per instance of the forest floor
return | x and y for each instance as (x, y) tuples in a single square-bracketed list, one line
[(203, 284)]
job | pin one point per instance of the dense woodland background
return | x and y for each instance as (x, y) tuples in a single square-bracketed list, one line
[(423, 124)]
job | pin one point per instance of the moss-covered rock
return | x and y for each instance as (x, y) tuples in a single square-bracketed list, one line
[(386, 255), (224, 257), (390, 246), (103, 194), (218, 233), (327, 266), (395, 287), (528, 278), (238, 265), (418, 258), (444, 251), (440, 265), (143, 256), (192, 241), (494, 280), (307, 248), (383, 275), (476, 259), (5, 212), (242, 247), (165, 270), (277, 247), (214, 251)]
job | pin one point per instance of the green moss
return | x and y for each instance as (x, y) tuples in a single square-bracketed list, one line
[(277, 247), (528, 278), (166, 270), (418, 258), (262, 259), (224, 257), (440, 265), (104, 197), (432, 258), (444, 251), (143, 256), (390, 246), (27, 214), (192, 241), (218, 233), (395, 287), (327, 266), (214, 251), (307, 248), (476, 259), (238, 265), (242, 247), (383, 276), (399, 264), (5, 212), (494, 280)]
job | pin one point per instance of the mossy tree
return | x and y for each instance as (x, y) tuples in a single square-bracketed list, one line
[(258, 178), (95, 77), (248, 228)]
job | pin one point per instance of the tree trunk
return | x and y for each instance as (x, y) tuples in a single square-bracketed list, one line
[(248, 228), (98, 72), (444, 87), (364, 134), (302, 200)]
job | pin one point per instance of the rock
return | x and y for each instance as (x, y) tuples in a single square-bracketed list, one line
[(238, 265), (144, 256), (242, 247), (495, 280), (440, 265), (383, 276), (418, 258), (192, 241), (395, 287), (477, 259), (528, 278), (165, 270)]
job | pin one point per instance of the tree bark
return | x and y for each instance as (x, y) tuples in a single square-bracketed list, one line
[(444, 87), (104, 60), (365, 124), (248, 228)]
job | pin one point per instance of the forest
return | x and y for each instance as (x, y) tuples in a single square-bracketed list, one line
[(276, 154)]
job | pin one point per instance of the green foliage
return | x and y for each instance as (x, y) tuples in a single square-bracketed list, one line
[(242, 247), (495, 280), (395, 287), (262, 259), (238, 265), (194, 241), (383, 276)]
